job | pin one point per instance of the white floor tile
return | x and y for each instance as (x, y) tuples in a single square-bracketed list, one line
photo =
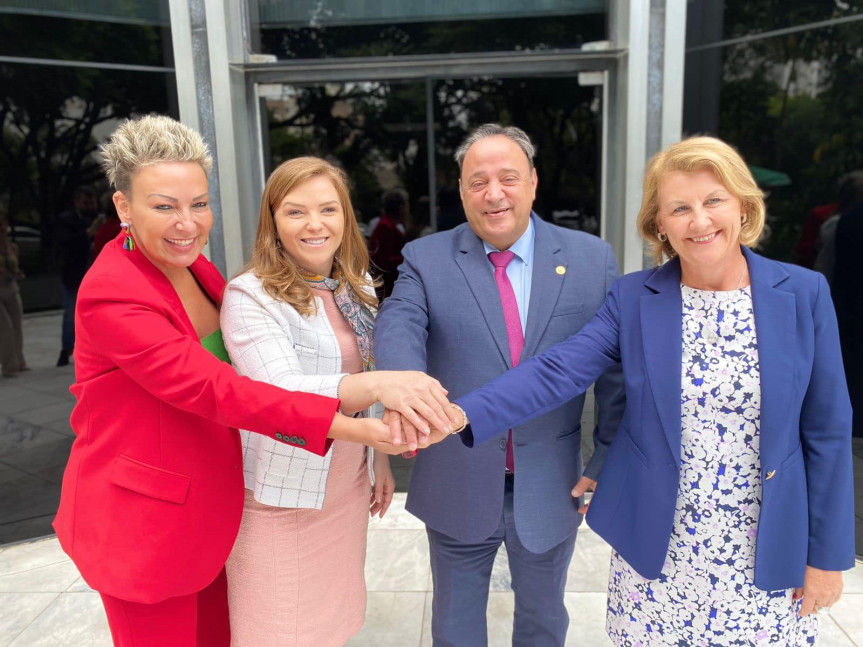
[(397, 518), (53, 577), (588, 570), (19, 610), (392, 620), (31, 554), (586, 619), (397, 560), (848, 614), (73, 620)]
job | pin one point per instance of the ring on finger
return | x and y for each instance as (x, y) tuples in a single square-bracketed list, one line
[(823, 610)]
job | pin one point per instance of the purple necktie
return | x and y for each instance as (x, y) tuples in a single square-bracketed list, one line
[(513, 324)]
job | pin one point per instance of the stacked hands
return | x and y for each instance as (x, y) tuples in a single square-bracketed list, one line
[(417, 412)]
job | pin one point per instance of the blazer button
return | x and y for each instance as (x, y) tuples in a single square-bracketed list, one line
[(503, 444)]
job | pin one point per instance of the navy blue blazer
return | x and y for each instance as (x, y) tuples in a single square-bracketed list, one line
[(445, 317), (807, 511)]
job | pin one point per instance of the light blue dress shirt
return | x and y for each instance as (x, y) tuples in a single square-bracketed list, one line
[(520, 269)]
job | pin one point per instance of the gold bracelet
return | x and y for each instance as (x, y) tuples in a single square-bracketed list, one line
[(464, 420)]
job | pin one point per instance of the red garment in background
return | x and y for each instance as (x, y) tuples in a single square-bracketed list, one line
[(806, 250), (385, 251), (107, 232)]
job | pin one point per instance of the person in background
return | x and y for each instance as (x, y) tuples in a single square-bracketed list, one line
[(727, 494), (109, 229), (11, 333), (470, 303), (850, 195), (420, 220), (74, 231), (152, 494), (388, 238), (848, 298)]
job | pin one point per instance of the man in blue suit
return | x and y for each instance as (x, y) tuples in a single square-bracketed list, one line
[(469, 304)]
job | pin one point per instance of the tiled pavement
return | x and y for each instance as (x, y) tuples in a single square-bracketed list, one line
[(44, 602)]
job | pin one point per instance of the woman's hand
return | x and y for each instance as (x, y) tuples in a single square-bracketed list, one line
[(401, 428), (366, 431), (584, 484), (385, 486), (419, 398), (821, 589)]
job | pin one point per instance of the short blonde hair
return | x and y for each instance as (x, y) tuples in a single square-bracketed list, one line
[(688, 156), (150, 140), (272, 264)]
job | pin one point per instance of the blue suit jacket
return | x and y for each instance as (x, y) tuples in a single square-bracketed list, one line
[(445, 317), (807, 514)]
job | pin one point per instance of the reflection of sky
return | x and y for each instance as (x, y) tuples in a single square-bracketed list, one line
[(317, 13)]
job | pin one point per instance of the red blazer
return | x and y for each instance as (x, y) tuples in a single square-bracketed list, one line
[(153, 490)]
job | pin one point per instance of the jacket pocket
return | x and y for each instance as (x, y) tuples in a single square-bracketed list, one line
[(149, 480)]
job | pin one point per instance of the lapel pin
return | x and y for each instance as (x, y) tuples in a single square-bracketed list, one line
[(560, 269), (770, 475)]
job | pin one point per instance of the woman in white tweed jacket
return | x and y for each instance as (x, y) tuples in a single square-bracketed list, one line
[(301, 317)]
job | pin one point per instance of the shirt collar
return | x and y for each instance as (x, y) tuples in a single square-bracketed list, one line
[(522, 248)]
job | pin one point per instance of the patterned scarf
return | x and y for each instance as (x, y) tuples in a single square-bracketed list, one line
[(358, 314)]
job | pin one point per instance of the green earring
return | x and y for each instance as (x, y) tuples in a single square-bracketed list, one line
[(128, 241)]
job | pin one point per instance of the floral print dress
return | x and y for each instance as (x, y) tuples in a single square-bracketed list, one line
[(705, 594)]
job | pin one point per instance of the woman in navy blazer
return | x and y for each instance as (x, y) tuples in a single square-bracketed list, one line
[(727, 493)]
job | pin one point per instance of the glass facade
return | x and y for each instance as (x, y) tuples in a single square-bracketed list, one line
[(339, 28), (378, 132), (69, 73)]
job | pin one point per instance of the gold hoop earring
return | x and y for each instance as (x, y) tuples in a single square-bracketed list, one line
[(744, 219), (662, 237)]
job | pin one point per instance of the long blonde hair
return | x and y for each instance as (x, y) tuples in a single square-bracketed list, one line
[(275, 267), (688, 156)]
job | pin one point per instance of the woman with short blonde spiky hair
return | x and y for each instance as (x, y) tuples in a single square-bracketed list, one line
[(727, 493), (153, 491)]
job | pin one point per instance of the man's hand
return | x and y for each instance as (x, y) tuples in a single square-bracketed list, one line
[(401, 429), (421, 401), (584, 484)]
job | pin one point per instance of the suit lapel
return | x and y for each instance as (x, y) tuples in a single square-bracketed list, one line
[(776, 331), (479, 276), (545, 285), (210, 282), (662, 340)]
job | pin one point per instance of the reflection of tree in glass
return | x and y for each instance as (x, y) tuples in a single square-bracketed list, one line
[(376, 132), (53, 116), (524, 33), (792, 103), (560, 117)]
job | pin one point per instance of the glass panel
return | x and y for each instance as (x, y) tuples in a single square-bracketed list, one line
[(791, 105), (137, 11), (736, 18), (52, 37), (561, 118), (377, 133), (344, 29)]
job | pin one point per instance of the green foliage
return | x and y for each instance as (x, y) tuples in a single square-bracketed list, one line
[(781, 116)]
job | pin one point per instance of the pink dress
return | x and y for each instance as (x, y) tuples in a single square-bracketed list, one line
[(296, 575)]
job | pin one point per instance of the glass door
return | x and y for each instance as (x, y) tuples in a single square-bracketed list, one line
[(381, 133)]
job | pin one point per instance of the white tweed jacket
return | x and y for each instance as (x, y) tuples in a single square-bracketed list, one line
[(269, 341)]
